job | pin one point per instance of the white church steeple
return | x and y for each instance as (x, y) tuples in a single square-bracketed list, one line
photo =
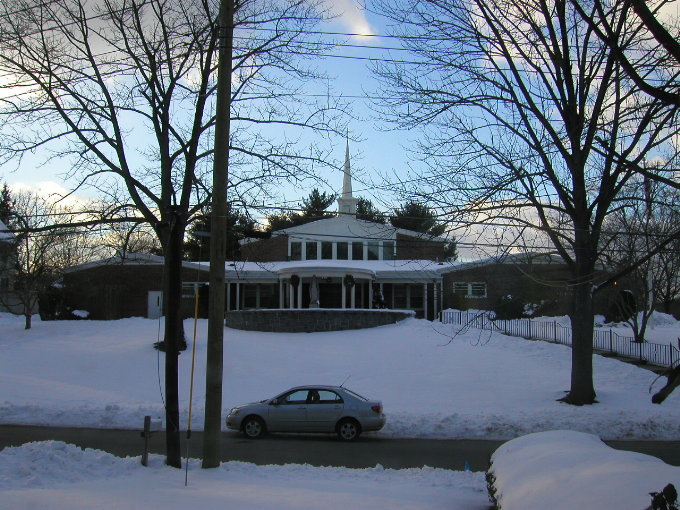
[(347, 204)]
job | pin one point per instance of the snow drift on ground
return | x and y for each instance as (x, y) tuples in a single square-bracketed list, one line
[(564, 470), (434, 380), (53, 475)]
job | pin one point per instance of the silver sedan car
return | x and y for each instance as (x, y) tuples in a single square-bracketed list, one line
[(310, 409)]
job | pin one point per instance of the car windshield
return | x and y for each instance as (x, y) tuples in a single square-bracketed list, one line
[(355, 395)]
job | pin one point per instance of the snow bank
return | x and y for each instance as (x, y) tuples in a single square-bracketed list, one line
[(564, 470), (58, 476)]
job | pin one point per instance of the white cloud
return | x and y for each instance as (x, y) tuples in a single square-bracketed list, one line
[(50, 190), (352, 16)]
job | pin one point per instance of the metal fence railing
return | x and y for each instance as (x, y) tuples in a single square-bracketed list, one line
[(604, 341)]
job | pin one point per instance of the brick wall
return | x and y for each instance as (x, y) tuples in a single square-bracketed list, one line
[(266, 250), (307, 321), (414, 248), (118, 291), (531, 282)]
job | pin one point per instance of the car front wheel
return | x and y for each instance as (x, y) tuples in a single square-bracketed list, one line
[(253, 427), (348, 430)]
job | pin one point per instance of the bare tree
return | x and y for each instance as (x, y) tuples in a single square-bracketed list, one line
[(652, 61), (524, 111), (127, 237), (631, 233), (124, 90), (43, 251)]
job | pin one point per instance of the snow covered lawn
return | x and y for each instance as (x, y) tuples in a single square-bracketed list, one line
[(57, 476), (432, 383)]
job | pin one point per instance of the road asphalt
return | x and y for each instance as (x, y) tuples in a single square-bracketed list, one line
[(317, 450)]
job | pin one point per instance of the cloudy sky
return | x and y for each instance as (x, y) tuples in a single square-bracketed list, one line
[(376, 152)]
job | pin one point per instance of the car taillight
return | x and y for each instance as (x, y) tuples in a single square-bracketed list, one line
[(377, 409)]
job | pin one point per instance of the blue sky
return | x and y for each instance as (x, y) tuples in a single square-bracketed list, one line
[(375, 154)]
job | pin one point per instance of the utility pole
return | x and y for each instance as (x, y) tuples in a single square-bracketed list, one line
[(213, 380)]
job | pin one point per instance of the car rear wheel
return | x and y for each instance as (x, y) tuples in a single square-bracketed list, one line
[(348, 430), (253, 427)]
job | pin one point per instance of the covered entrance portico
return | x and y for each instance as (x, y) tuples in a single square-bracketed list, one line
[(322, 287), (334, 285)]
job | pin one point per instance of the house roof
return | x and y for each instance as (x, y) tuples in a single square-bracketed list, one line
[(397, 269), (5, 235), (347, 227), (509, 259), (408, 270), (130, 259)]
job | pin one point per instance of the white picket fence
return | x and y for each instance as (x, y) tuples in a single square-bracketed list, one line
[(604, 341)]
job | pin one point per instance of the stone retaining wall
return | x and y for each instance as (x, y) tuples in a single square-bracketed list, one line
[(311, 320)]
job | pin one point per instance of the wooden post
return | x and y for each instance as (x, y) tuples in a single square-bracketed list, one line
[(214, 365), (146, 434)]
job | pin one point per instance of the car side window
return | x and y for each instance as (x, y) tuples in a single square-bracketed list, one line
[(329, 397), (295, 397)]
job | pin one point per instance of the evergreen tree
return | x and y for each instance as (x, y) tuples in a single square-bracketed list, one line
[(6, 205), (312, 208), (367, 211), (420, 218), (239, 226), (417, 217), (285, 220)]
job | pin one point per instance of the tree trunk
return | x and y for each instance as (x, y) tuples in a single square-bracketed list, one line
[(27, 320), (174, 339), (666, 304), (582, 391)]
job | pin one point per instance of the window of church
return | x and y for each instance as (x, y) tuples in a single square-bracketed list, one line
[(471, 289), (415, 294), (269, 295), (342, 251), (358, 251), (326, 250), (249, 296), (399, 296), (311, 250), (373, 250), (295, 250), (388, 250)]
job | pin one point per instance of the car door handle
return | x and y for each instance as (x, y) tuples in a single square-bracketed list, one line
[(338, 407)]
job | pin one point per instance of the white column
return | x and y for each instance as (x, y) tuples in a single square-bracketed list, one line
[(238, 296), (353, 298), (291, 293), (228, 286), (424, 300), (344, 293), (370, 294), (280, 293), (435, 310), (299, 305)]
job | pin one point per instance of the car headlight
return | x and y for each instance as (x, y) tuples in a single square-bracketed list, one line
[(234, 411)]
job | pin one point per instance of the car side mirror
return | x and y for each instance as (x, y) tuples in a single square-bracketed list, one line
[(274, 402)]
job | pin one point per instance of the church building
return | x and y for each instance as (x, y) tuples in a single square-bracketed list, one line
[(340, 262)]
